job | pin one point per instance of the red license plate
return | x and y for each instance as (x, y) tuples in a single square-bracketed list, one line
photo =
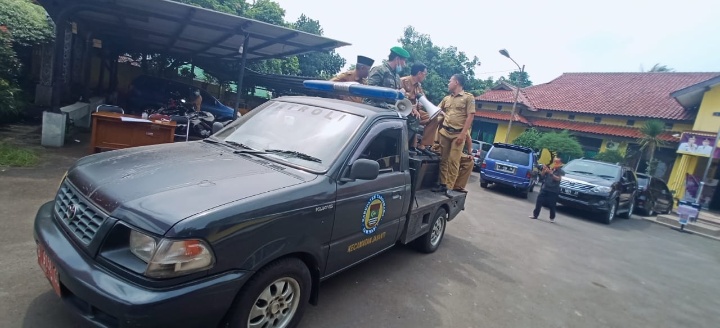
[(48, 268)]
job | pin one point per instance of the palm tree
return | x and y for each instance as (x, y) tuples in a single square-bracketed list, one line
[(657, 68), (650, 139)]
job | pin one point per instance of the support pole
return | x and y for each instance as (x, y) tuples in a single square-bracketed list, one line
[(241, 75), (512, 113), (58, 58), (87, 66)]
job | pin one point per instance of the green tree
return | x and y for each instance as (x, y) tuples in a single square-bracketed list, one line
[(442, 63), (559, 143), (651, 139), (519, 79), (9, 69), (235, 7), (610, 156), (529, 139), (27, 22), (317, 64), (267, 11)]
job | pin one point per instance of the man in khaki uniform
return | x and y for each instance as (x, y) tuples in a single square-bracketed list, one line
[(466, 166), (459, 111), (413, 89), (359, 75)]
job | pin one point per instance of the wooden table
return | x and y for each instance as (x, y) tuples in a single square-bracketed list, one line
[(110, 132)]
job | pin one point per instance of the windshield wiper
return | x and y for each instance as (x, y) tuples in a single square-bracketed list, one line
[(233, 145), (606, 176), (241, 145), (294, 154), (582, 172)]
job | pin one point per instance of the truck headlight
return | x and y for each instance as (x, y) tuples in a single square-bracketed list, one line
[(601, 189), (168, 258)]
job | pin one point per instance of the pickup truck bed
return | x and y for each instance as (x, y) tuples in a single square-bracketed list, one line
[(425, 203)]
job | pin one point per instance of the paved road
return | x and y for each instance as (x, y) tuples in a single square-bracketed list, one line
[(495, 268)]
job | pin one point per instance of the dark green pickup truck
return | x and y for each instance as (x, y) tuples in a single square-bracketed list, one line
[(238, 230)]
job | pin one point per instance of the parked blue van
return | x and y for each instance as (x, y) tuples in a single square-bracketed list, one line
[(149, 91), (510, 165)]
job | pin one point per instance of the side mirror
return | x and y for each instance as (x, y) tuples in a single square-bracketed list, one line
[(364, 169), (217, 126)]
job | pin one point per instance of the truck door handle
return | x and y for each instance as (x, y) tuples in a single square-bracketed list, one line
[(396, 195)]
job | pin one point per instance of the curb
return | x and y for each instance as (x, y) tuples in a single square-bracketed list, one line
[(677, 227)]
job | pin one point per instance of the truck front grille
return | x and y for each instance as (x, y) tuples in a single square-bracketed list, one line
[(575, 185), (79, 217)]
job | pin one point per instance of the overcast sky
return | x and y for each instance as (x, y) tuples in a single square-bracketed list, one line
[(549, 37)]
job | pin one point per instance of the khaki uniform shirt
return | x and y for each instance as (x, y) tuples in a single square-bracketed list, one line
[(456, 109), (349, 76), (412, 89)]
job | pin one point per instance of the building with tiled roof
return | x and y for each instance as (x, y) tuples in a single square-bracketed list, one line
[(599, 109)]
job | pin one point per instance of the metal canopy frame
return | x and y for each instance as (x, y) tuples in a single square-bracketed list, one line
[(183, 31)]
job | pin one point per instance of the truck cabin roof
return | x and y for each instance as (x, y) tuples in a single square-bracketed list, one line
[(342, 105)]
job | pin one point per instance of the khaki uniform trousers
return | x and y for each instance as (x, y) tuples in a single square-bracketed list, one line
[(450, 154), (431, 129), (466, 167)]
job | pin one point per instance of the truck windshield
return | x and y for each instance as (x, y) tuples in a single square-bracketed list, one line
[(307, 136), (510, 155), (601, 170)]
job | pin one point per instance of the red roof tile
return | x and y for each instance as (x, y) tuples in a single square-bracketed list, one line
[(500, 116), (622, 94), (505, 92), (595, 128)]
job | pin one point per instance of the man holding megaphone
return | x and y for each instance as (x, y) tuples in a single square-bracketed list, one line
[(458, 113), (413, 90)]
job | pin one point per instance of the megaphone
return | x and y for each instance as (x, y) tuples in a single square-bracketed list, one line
[(404, 107), (431, 109)]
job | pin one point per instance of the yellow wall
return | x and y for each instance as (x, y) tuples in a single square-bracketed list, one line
[(683, 164), (517, 129), (622, 146), (605, 119), (705, 121)]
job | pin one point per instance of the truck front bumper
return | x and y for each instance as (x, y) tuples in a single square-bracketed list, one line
[(585, 202), (107, 300)]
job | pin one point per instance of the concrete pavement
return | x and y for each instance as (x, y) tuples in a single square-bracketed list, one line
[(495, 268)]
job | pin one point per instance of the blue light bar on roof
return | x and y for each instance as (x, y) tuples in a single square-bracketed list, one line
[(355, 89)]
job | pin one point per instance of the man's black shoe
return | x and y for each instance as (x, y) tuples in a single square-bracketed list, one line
[(440, 188), (427, 152)]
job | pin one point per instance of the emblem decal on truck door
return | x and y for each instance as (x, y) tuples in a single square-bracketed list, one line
[(374, 211)]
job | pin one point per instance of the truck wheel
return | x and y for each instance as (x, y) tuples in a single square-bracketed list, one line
[(610, 214), (628, 215), (429, 242), (275, 297), (483, 184), (524, 194)]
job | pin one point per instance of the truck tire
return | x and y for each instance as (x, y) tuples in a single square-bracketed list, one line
[(276, 296), (483, 184), (430, 241), (628, 215), (610, 214)]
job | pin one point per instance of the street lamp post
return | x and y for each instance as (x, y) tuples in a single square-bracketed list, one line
[(505, 53)]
